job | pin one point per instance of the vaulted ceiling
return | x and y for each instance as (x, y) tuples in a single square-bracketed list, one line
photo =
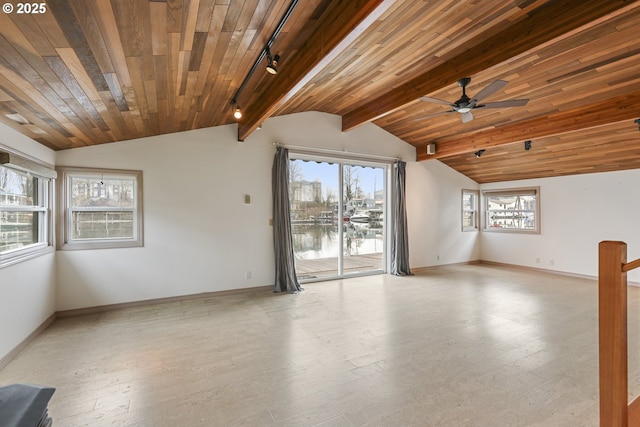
[(91, 72)]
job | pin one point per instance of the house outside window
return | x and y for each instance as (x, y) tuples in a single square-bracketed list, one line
[(470, 210), (512, 210), (102, 208)]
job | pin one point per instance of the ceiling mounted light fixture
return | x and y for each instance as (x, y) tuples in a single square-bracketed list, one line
[(237, 113), (637, 121), (527, 145), (479, 153), (272, 62)]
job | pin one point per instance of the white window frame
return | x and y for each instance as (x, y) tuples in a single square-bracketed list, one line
[(512, 192), (67, 242), (44, 208), (474, 209)]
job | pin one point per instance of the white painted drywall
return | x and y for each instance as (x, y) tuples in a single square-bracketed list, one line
[(27, 289), (200, 236), (434, 203), (577, 212)]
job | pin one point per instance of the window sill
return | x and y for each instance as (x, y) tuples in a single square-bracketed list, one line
[(107, 244), (16, 259)]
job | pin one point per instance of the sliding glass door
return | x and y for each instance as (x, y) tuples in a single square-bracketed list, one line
[(337, 217), (363, 231)]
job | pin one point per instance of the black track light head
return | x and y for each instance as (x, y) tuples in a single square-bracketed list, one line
[(272, 62), (527, 145), (479, 153)]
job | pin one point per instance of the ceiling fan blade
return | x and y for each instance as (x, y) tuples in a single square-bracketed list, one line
[(490, 90), (466, 117), (504, 104), (436, 101)]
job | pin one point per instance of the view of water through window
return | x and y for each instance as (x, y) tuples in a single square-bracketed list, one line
[(330, 238)]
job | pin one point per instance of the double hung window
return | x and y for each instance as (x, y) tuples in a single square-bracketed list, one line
[(25, 212), (469, 210), (102, 208), (513, 210)]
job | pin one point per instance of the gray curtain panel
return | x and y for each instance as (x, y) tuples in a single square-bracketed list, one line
[(400, 238), (286, 279)]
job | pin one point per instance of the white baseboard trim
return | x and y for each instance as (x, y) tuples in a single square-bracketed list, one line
[(516, 266), (133, 304), (418, 270), (544, 270)]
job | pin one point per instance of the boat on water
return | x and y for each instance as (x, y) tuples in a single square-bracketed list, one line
[(360, 217)]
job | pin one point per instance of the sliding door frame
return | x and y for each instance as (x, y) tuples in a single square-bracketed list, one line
[(386, 165)]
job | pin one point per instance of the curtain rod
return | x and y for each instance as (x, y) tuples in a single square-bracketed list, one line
[(344, 154)]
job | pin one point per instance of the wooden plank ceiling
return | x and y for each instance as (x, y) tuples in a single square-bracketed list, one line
[(99, 71)]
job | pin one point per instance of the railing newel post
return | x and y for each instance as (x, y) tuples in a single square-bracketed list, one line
[(612, 312)]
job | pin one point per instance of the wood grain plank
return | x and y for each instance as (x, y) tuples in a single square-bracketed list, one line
[(174, 16), (139, 93), (75, 66), (140, 14), (65, 75), (160, 65), (15, 65), (29, 26), (158, 12), (126, 27), (116, 91), (190, 18), (205, 12), (92, 33), (152, 98), (63, 13), (197, 50)]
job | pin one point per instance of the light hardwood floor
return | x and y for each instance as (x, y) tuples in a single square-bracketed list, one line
[(469, 345)]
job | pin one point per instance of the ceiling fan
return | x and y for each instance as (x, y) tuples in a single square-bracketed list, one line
[(464, 105)]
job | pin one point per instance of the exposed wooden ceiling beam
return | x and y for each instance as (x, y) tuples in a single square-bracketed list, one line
[(590, 116), (342, 25), (550, 21)]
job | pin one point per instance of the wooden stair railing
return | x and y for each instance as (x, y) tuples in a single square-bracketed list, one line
[(615, 410)]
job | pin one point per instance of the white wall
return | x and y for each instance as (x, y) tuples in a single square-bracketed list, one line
[(199, 234), (577, 212), (434, 203), (27, 289)]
